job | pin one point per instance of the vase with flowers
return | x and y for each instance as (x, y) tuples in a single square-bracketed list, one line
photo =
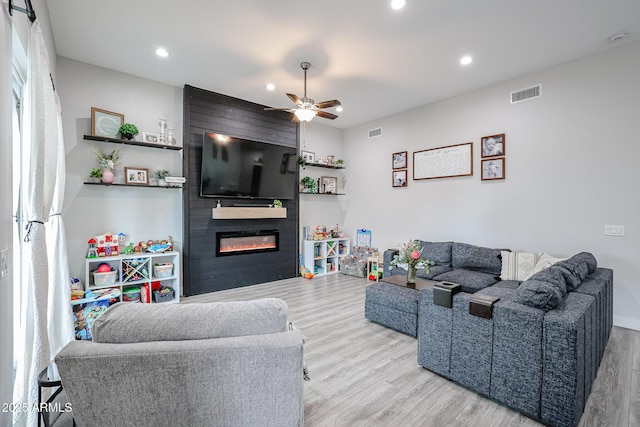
[(409, 256), (108, 162)]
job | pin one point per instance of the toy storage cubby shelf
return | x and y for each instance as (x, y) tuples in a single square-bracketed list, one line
[(323, 256), (136, 270)]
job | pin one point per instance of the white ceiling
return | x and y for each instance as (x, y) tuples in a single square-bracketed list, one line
[(376, 60)]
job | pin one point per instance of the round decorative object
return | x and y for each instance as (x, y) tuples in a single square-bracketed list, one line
[(107, 176)]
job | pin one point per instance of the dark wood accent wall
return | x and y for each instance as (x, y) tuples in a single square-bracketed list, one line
[(206, 111)]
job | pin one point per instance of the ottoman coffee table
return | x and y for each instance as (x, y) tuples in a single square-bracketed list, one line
[(394, 303)]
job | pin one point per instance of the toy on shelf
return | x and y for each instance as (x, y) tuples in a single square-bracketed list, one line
[(92, 252), (336, 233), (107, 245), (320, 233)]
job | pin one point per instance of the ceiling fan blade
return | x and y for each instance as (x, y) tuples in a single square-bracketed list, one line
[(328, 104), (326, 115), (278, 109), (295, 99)]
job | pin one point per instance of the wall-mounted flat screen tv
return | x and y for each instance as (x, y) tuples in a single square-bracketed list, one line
[(235, 167)]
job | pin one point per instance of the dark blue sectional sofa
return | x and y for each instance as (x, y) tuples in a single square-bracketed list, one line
[(539, 351)]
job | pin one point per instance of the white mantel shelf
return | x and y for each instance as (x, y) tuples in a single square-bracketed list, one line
[(248, 213)]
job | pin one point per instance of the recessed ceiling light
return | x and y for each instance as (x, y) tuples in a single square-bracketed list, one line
[(466, 60), (339, 109), (270, 86), (162, 52), (398, 4)]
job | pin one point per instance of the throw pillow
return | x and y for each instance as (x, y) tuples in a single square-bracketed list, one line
[(545, 261), (518, 265), (476, 258)]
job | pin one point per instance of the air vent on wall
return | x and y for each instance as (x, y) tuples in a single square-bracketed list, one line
[(375, 132), (525, 94)]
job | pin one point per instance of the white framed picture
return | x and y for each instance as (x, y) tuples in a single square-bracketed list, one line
[(152, 138)]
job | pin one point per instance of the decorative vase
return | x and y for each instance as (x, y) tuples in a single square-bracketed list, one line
[(411, 274), (128, 136), (170, 139), (107, 176), (162, 183)]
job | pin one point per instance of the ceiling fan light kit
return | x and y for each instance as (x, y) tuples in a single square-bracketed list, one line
[(307, 109)]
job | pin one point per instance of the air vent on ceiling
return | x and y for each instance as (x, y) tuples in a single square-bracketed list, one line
[(373, 133), (525, 94)]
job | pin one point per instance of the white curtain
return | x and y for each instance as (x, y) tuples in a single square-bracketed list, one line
[(46, 312)]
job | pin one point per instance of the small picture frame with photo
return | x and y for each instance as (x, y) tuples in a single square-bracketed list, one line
[(151, 138), (493, 145), (329, 184), (308, 156), (399, 160), (399, 178), (136, 176), (493, 169)]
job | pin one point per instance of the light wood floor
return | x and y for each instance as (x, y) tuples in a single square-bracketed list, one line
[(363, 374)]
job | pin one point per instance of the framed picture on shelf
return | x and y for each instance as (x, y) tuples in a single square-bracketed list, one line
[(105, 123), (329, 184), (493, 169), (152, 138), (137, 176), (493, 146), (399, 160), (308, 156), (400, 178)]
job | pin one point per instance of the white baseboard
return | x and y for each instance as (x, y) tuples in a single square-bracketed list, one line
[(627, 322)]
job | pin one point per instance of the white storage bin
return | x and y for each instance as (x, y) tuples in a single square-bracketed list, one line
[(104, 279), (163, 270)]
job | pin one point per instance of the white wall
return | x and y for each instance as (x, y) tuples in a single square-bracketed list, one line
[(327, 210), (571, 168), (142, 213)]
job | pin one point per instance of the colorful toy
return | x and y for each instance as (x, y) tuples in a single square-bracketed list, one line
[(104, 267), (92, 252), (107, 245)]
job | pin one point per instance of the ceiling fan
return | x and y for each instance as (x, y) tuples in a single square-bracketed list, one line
[(306, 108)]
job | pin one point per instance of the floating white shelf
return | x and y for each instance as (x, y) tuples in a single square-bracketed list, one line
[(248, 213)]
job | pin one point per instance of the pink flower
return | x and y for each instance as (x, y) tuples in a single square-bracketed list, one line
[(415, 255)]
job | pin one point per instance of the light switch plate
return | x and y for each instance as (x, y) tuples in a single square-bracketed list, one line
[(614, 230)]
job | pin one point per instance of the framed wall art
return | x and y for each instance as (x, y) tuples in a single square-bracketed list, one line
[(493, 146), (399, 160), (493, 169), (443, 162), (137, 176), (308, 156), (105, 123), (399, 178), (152, 138), (329, 184)]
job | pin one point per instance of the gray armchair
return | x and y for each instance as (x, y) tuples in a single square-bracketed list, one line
[(355, 264), (223, 364)]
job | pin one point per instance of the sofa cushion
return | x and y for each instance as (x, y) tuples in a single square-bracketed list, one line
[(133, 323), (471, 281), (438, 252), (518, 265), (476, 258), (547, 288), (540, 294), (434, 270)]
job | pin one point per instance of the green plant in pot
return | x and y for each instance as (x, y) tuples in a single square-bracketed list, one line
[(95, 175), (128, 130), (302, 161), (161, 175), (309, 184)]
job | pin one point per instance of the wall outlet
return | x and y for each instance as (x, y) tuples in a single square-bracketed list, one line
[(614, 230), (4, 263)]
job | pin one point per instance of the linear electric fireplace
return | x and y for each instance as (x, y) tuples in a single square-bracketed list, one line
[(246, 242)]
